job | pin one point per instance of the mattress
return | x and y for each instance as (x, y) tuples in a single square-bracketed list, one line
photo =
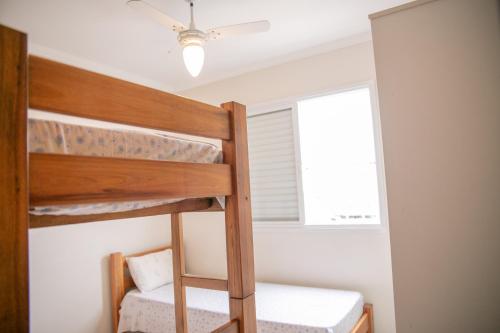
[(280, 308), (46, 136)]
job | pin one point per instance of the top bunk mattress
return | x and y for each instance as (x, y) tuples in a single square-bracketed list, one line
[(279, 309), (46, 136)]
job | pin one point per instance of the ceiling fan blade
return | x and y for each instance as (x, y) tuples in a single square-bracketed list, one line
[(157, 15), (239, 29)]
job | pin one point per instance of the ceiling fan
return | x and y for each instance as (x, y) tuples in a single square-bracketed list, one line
[(191, 39)]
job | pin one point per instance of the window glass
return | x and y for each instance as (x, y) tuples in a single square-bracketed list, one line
[(339, 172)]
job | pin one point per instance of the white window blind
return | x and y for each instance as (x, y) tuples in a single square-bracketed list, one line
[(273, 173)]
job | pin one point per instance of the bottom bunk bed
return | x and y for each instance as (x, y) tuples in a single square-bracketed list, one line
[(280, 308)]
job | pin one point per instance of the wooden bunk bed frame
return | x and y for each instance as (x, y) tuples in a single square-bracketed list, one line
[(121, 282), (50, 179)]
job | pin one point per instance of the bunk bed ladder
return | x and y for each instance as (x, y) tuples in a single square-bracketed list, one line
[(239, 241)]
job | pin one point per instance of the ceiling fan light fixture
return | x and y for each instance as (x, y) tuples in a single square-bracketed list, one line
[(194, 57), (192, 42)]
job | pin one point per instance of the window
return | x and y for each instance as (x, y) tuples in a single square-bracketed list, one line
[(313, 161)]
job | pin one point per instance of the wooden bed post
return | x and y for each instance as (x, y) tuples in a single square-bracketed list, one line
[(239, 239), (179, 269), (14, 309), (116, 262)]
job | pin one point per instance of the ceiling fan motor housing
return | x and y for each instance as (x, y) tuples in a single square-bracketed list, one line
[(192, 37)]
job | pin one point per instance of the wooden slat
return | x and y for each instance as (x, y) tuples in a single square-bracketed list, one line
[(362, 326), (14, 310), (187, 205), (69, 90), (365, 323), (204, 282), (229, 327), (65, 179), (239, 239), (179, 269), (143, 253)]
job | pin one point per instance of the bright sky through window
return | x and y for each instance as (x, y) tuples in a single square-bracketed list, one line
[(339, 172)]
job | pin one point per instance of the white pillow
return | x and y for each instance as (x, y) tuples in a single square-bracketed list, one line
[(151, 270)]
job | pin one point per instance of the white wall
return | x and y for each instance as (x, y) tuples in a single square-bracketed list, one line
[(438, 69), (69, 277), (348, 259)]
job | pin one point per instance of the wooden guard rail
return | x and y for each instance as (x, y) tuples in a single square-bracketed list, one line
[(73, 91), (66, 179), (204, 282)]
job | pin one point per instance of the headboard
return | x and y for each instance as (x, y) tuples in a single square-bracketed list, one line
[(121, 281)]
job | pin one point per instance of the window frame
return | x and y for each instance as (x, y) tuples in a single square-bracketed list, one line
[(292, 103)]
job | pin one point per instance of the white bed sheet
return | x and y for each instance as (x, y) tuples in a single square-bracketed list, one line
[(280, 309)]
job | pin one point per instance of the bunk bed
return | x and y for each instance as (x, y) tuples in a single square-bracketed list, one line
[(40, 179), (42, 186)]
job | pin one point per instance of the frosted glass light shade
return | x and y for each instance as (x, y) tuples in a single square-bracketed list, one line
[(194, 57)]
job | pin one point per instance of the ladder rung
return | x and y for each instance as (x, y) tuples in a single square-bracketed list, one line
[(229, 327), (203, 282)]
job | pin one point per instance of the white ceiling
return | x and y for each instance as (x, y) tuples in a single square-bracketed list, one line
[(110, 33)]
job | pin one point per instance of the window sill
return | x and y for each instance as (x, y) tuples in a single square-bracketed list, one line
[(298, 226)]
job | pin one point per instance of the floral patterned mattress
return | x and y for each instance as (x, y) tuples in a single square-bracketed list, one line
[(46, 136)]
